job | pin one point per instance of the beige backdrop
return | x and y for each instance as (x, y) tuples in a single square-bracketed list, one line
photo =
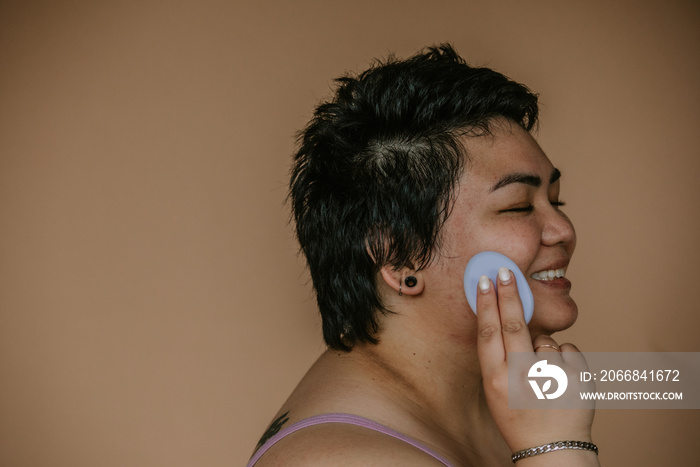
[(153, 311)]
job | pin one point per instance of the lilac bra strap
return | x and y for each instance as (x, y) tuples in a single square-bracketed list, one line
[(342, 418)]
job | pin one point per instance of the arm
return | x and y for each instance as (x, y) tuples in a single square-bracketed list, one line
[(502, 329)]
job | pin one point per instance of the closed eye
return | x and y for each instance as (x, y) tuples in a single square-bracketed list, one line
[(527, 208)]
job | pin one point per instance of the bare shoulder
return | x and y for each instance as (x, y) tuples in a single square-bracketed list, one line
[(343, 445)]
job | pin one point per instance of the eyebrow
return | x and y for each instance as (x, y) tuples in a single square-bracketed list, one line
[(527, 179)]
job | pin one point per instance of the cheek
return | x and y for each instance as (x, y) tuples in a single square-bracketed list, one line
[(467, 234), (520, 241)]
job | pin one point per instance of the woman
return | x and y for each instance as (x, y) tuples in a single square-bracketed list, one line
[(411, 169)]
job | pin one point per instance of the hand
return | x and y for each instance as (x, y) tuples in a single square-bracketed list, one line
[(502, 329)]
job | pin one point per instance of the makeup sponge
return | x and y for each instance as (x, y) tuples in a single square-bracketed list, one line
[(487, 264)]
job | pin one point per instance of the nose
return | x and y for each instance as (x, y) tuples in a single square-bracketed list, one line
[(558, 229)]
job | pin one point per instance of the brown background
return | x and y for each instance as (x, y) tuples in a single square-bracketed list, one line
[(153, 310)]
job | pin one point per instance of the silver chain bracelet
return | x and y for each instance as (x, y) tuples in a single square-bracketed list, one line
[(556, 446)]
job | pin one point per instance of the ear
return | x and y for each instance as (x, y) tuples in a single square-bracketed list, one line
[(396, 279)]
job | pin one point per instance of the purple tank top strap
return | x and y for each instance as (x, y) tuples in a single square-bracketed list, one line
[(342, 418)]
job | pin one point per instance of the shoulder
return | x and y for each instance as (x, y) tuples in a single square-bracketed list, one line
[(343, 445)]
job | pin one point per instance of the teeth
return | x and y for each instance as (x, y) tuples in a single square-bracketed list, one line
[(548, 275)]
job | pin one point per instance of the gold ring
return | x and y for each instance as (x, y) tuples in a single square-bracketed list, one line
[(548, 345)]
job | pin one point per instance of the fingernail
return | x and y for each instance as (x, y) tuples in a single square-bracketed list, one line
[(484, 284), (504, 275)]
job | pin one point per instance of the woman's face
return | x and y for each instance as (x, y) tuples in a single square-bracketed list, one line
[(508, 201)]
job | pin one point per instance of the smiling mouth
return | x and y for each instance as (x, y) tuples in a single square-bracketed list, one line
[(549, 275)]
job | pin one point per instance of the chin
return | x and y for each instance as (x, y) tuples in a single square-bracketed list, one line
[(549, 321)]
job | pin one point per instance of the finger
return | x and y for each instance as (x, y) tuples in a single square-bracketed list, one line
[(569, 347), (516, 335), (544, 343), (489, 342), (572, 356), (547, 347)]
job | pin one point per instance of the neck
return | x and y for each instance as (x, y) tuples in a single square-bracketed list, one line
[(433, 372)]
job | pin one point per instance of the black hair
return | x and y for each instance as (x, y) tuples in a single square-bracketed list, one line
[(373, 178)]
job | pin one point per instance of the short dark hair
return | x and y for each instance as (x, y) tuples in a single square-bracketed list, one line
[(373, 179)]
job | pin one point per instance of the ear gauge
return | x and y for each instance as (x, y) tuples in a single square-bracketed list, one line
[(410, 281)]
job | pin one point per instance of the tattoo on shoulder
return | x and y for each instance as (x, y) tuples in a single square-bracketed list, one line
[(273, 429)]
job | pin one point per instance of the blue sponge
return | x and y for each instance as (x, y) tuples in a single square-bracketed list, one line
[(487, 264)]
